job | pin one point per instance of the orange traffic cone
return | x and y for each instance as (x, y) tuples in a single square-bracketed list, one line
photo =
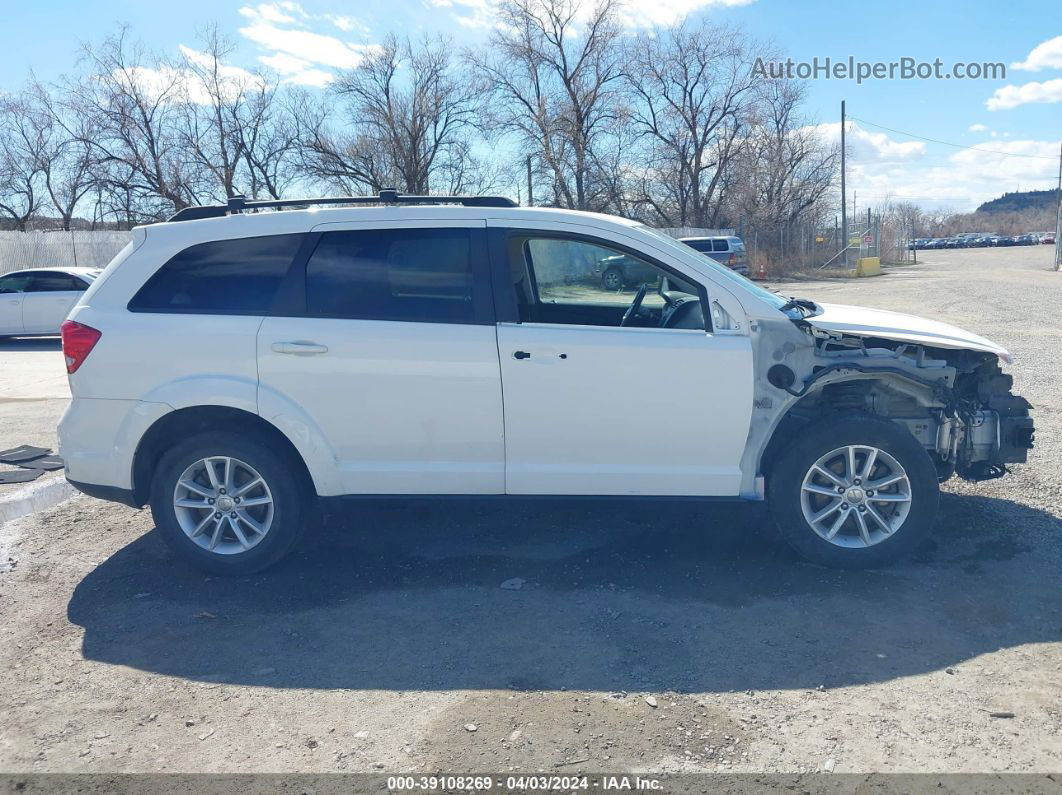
[(762, 275)]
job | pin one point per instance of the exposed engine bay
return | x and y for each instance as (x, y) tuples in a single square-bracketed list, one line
[(956, 402)]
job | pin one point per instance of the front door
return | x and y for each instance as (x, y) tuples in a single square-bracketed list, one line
[(658, 406), (393, 358)]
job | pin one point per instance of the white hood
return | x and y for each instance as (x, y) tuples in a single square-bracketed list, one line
[(861, 321)]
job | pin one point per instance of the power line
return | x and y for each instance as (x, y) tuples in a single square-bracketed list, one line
[(948, 143)]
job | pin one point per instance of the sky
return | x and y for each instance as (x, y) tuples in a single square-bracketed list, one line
[(1013, 124)]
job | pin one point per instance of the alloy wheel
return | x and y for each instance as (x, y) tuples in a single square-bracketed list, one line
[(223, 505), (855, 496)]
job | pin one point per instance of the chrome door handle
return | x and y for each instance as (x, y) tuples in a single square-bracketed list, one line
[(299, 348)]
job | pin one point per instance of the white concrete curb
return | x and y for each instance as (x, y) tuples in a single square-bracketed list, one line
[(34, 497)]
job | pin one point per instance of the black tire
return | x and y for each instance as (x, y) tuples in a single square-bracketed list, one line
[(290, 502), (612, 279), (819, 438)]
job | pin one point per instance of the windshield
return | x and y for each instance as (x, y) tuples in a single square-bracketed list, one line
[(741, 282)]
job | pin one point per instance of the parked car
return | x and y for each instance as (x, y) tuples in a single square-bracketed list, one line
[(620, 270), (1048, 238), (34, 302), (728, 250), (238, 370)]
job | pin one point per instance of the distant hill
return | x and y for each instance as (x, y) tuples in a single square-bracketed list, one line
[(1019, 201)]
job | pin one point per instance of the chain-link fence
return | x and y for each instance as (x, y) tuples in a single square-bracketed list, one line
[(779, 251), (40, 249)]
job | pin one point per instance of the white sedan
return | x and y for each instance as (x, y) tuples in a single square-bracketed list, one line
[(34, 302)]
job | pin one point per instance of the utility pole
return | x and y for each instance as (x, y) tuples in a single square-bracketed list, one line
[(1058, 216), (530, 194), (868, 231), (844, 199)]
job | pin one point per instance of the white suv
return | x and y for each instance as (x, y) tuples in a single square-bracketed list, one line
[(239, 365)]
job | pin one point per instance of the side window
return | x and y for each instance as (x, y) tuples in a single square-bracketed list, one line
[(720, 245), (222, 277), (420, 275), (50, 282), (15, 283), (579, 282)]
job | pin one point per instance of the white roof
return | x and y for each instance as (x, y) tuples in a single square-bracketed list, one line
[(78, 271), (281, 222)]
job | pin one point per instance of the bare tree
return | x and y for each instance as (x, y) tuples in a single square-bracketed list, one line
[(553, 74), (785, 168), (237, 134), (211, 99), (693, 87), (131, 101), (407, 115), (269, 141), (66, 161), (22, 148)]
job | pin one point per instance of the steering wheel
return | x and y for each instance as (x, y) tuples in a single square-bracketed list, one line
[(636, 304)]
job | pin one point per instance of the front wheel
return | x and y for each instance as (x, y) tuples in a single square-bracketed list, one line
[(854, 492), (228, 504), (612, 279)]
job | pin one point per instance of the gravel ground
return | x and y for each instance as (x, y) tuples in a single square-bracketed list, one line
[(643, 637)]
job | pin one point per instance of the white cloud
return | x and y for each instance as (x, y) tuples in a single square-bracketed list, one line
[(1046, 55), (182, 82), (649, 13), (963, 180), (302, 55), (1028, 93), (633, 13), (470, 13), (313, 47), (977, 128), (880, 167), (347, 24), (285, 64), (311, 77), (864, 145)]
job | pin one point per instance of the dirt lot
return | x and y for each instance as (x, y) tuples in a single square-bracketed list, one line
[(389, 644)]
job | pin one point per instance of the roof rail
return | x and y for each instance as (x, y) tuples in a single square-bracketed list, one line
[(239, 204)]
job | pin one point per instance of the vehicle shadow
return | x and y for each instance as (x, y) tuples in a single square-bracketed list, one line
[(31, 344), (612, 596)]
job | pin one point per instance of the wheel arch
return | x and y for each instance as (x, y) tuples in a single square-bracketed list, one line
[(820, 401), (185, 422)]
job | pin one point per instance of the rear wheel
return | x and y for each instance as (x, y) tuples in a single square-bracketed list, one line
[(228, 504), (854, 491)]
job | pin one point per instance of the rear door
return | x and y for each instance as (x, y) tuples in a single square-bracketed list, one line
[(385, 348), (12, 289), (49, 297)]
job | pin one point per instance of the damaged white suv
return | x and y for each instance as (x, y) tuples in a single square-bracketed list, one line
[(240, 365)]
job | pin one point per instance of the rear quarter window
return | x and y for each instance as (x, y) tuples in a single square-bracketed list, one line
[(239, 276)]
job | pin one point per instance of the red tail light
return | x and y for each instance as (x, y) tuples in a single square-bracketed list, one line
[(733, 260), (78, 342)]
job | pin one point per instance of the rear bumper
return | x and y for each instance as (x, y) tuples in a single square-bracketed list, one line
[(98, 440), (109, 493)]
